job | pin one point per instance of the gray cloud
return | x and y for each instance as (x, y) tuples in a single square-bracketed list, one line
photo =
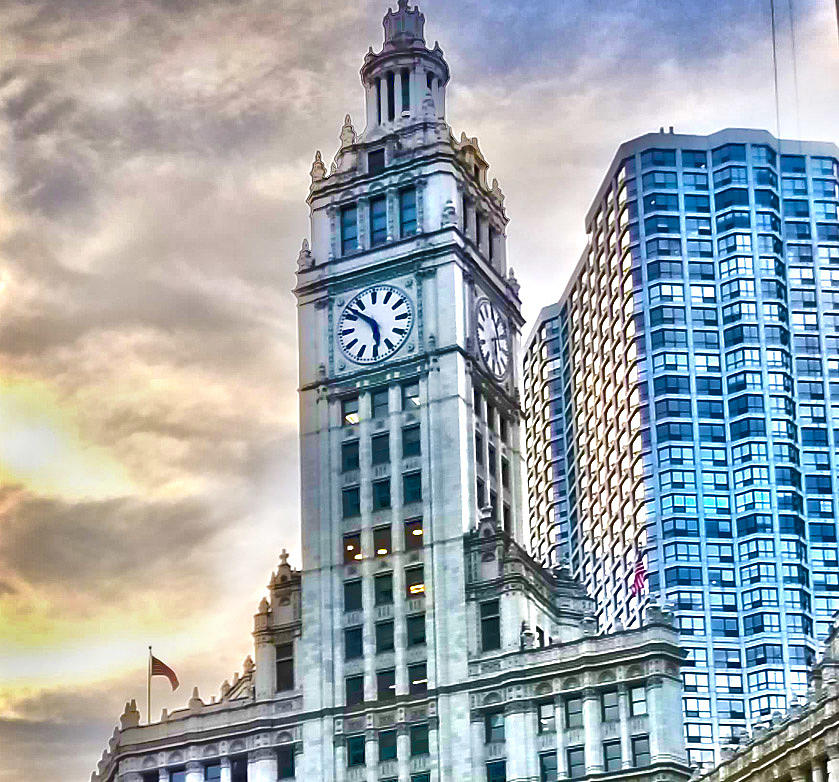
[(154, 182)]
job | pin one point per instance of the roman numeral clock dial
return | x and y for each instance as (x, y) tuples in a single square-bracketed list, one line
[(493, 339), (375, 324)]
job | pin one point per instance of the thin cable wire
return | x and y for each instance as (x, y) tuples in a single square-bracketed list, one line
[(795, 70), (775, 69)]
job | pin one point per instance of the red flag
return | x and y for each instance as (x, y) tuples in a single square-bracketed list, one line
[(159, 668), (640, 573)]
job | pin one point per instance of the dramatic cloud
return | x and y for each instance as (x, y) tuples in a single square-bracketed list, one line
[(154, 176)]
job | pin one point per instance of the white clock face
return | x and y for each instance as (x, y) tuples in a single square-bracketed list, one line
[(493, 338), (375, 324)]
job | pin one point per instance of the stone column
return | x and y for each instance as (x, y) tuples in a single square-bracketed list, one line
[(371, 754), (833, 764), (623, 711), (265, 653), (403, 750), (434, 746), (559, 724), (262, 766), (654, 709), (163, 775), (591, 725), (383, 97), (798, 774), (515, 737), (339, 744), (478, 754), (226, 770), (817, 770), (194, 771)]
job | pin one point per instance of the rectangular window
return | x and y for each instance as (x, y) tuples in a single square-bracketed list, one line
[(285, 762), (386, 684), (413, 534), (573, 712), (177, 775), (349, 456), (410, 396), (353, 643), (414, 582), (412, 487), (497, 771), (383, 589), (576, 762), (381, 494), (609, 706), (352, 595), (379, 403), (612, 755), (212, 772), (494, 726), (387, 745), (352, 547), (546, 717), (378, 220), (351, 502), (285, 667), (407, 211), (381, 541), (349, 229), (380, 449), (354, 690), (376, 161), (641, 751), (384, 637), (548, 767), (411, 445), (419, 740), (349, 411), (417, 679), (415, 626), (637, 701), (490, 625)]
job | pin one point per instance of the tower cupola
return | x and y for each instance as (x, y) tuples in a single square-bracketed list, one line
[(406, 81)]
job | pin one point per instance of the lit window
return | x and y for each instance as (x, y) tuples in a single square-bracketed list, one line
[(414, 582), (381, 541), (352, 547), (417, 679), (410, 396), (413, 534), (349, 411)]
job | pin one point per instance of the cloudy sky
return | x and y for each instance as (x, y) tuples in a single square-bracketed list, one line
[(154, 169)]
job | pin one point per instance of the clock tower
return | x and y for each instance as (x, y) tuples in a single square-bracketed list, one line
[(409, 324)]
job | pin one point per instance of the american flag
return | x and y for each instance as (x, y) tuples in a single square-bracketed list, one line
[(159, 668), (640, 573)]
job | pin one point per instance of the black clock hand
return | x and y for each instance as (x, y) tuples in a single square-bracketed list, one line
[(374, 327)]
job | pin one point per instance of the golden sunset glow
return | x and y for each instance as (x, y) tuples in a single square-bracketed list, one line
[(154, 182)]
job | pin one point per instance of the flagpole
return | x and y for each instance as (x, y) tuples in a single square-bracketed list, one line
[(148, 692)]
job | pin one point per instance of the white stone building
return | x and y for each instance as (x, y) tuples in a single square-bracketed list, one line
[(420, 642), (800, 746)]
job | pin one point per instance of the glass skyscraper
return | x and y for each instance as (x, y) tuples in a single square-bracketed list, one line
[(682, 402)]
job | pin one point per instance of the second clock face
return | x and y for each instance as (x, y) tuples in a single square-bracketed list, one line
[(493, 338), (375, 324)]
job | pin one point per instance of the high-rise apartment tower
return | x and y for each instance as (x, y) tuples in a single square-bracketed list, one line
[(682, 404)]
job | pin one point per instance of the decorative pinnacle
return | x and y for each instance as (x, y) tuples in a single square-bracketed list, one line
[(404, 26)]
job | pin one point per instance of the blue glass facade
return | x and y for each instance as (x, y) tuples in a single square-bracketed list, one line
[(682, 398)]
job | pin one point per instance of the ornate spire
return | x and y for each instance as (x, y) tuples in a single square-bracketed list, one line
[(404, 26)]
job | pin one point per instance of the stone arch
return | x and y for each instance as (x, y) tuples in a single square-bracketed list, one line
[(211, 751), (492, 699), (543, 689), (284, 737)]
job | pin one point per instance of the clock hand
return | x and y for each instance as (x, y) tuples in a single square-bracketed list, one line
[(374, 327)]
